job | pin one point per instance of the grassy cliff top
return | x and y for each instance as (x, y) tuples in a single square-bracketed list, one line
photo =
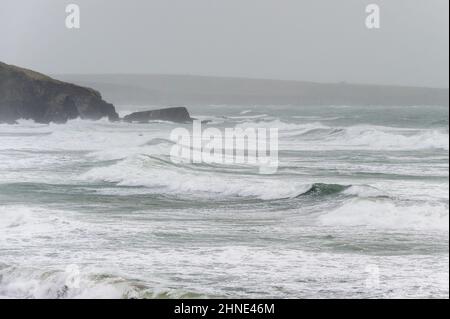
[(29, 73), (8, 69)]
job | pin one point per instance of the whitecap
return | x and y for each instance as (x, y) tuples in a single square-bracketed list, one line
[(387, 214)]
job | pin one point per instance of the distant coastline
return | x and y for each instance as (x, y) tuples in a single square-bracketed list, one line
[(204, 90)]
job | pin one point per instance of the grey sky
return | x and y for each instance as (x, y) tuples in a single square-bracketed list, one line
[(314, 40)]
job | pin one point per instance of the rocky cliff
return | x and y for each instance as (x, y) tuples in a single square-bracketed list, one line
[(25, 94)]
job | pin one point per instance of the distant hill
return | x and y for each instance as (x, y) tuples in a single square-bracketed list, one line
[(185, 89)]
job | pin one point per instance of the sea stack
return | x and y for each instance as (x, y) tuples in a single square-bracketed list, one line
[(25, 94), (173, 114)]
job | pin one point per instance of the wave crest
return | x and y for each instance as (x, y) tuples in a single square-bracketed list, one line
[(26, 283), (389, 215)]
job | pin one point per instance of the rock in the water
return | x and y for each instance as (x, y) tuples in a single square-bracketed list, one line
[(25, 94), (173, 114)]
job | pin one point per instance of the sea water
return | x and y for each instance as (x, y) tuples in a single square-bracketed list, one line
[(357, 209)]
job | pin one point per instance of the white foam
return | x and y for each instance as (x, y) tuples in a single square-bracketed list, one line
[(362, 137), (364, 191), (78, 135), (389, 214), (281, 125), (52, 284), (141, 170), (21, 224), (389, 138), (245, 117)]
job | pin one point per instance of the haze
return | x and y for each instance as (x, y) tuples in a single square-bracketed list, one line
[(310, 40)]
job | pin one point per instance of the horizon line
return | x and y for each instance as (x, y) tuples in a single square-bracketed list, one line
[(252, 79)]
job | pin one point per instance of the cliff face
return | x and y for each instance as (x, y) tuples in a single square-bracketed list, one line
[(26, 94)]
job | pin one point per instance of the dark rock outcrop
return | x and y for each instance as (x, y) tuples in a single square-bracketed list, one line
[(25, 94), (173, 114)]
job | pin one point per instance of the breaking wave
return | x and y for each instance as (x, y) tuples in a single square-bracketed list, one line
[(376, 138), (30, 283), (159, 175), (324, 189), (367, 137), (389, 215)]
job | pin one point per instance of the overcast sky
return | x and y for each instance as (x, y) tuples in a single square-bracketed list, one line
[(314, 40)]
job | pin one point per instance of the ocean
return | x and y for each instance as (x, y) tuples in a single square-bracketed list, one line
[(358, 208)]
